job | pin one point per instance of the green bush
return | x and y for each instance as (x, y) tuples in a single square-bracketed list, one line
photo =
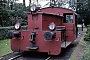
[(87, 35), (86, 55), (24, 27), (4, 30)]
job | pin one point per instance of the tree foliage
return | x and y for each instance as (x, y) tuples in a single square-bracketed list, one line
[(3, 13), (11, 12), (58, 3), (83, 9), (18, 14)]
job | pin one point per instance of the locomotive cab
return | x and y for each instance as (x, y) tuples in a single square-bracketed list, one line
[(49, 30)]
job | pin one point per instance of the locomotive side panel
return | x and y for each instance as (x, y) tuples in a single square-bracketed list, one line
[(47, 19), (70, 26)]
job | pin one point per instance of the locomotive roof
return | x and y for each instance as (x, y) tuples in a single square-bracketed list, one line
[(50, 14), (60, 8), (46, 13)]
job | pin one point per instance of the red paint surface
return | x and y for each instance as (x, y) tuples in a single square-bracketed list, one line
[(51, 47)]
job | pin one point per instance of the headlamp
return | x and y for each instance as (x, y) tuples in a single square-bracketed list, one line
[(17, 26), (52, 26), (49, 35), (33, 8)]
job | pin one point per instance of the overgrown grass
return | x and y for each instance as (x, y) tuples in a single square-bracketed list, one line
[(85, 45), (73, 57), (80, 43), (86, 54), (4, 47)]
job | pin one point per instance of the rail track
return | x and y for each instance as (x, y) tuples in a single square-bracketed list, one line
[(13, 58), (64, 55), (48, 58)]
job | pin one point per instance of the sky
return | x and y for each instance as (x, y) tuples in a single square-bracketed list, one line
[(40, 2)]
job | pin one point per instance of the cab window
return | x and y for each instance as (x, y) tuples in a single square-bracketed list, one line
[(68, 18)]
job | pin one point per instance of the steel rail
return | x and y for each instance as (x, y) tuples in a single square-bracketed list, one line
[(48, 58), (15, 57)]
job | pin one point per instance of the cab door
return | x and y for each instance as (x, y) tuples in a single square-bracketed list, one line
[(69, 23)]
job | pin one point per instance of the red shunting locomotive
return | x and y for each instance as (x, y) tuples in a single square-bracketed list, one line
[(49, 30)]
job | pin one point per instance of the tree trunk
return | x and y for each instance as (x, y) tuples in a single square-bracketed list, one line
[(8, 2), (37, 2), (24, 4), (29, 4)]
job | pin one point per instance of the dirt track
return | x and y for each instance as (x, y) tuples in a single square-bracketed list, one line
[(78, 52)]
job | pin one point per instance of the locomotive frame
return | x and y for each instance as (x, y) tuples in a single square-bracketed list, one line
[(49, 30)]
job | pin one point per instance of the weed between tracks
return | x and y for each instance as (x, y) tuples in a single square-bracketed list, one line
[(5, 47)]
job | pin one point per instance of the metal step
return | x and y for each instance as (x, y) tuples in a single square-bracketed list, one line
[(60, 28), (33, 47), (65, 44)]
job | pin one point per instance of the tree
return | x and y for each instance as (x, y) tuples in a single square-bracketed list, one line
[(3, 12), (17, 14), (0, 12), (11, 12), (24, 5), (58, 3), (83, 9)]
